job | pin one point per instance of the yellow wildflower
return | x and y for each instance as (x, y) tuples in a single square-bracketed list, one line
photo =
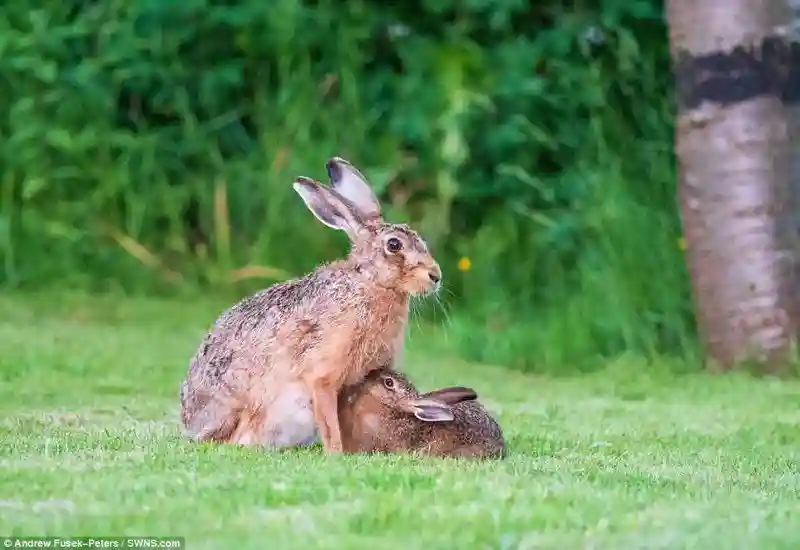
[(464, 264)]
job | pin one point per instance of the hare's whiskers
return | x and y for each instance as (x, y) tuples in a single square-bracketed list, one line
[(415, 309), (443, 307)]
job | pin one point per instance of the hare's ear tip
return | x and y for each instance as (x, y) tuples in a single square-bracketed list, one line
[(334, 167), (302, 182)]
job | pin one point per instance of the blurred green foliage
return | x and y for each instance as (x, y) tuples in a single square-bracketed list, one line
[(150, 145)]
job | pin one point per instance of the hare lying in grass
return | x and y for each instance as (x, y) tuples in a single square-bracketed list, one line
[(270, 369), (385, 413)]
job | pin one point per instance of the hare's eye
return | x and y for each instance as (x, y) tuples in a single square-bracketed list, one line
[(389, 383), (393, 244)]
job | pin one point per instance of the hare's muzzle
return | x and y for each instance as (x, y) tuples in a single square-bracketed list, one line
[(434, 277)]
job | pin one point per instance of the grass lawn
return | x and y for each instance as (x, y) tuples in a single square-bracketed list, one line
[(623, 459)]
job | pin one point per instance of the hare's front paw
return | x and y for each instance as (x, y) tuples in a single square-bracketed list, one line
[(333, 447)]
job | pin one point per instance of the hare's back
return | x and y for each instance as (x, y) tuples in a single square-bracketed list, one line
[(476, 429), (271, 305), (250, 327)]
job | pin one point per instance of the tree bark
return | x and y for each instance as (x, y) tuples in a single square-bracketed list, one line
[(732, 62)]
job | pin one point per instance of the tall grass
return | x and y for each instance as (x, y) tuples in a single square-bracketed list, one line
[(151, 148)]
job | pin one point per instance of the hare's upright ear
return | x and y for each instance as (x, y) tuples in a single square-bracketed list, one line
[(353, 186), (429, 410), (453, 395), (328, 206)]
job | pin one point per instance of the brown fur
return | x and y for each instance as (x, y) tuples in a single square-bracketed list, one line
[(375, 418), (270, 369)]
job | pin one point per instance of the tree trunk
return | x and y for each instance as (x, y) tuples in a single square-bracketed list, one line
[(732, 62)]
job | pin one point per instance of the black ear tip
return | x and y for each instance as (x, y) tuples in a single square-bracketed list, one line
[(453, 395), (468, 393), (334, 169)]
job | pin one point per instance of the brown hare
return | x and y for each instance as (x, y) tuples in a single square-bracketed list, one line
[(385, 413), (270, 369)]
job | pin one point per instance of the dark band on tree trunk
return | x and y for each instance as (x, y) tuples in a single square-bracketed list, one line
[(769, 68)]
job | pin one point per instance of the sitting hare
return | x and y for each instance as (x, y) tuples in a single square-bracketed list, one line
[(385, 413), (270, 369)]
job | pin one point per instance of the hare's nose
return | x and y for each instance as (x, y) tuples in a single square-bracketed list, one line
[(435, 275)]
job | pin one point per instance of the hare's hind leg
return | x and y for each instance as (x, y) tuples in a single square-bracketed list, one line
[(248, 429), (214, 422), (239, 427)]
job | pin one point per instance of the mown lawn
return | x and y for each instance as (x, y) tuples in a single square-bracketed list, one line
[(89, 445)]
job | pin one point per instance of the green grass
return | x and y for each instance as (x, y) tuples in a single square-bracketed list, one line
[(629, 457)]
